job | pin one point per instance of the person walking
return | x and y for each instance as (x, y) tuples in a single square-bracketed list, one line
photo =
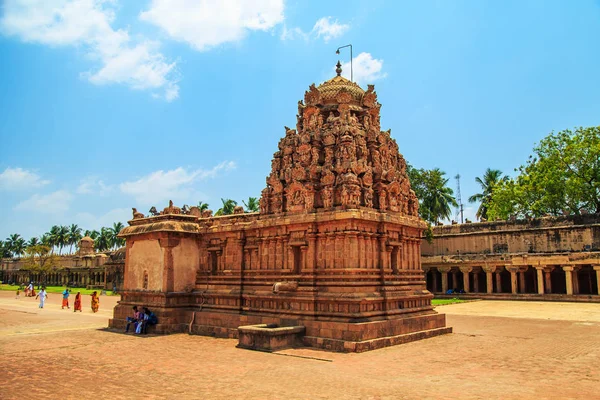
[(95, 301), (65, 299), (42, 295), (77, 304)]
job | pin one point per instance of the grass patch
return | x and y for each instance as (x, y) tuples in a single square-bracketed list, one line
[(443, 302), (58, 289)]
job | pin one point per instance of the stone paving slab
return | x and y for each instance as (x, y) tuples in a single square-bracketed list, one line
[(488, 357)]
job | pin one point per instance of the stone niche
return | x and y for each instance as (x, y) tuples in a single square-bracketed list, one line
[(335, 248)]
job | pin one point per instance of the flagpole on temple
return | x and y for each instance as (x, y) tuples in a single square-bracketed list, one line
[(351, 69)]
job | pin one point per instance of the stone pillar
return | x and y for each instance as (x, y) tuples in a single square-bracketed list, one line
[(540, 279), (465, 271), (476, 282), (444, 271), (522, 280), (434, 277), (454, 280), (382, 253), (168, 283), (568, 278), (548, 280), (489, 278), (312, 252), (597, 269), (499, 280), (513, 279), (576, 280)]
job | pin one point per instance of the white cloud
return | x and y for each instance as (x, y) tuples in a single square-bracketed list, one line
[(54, 203), (208, 23), (87, 24), (90, 221), (19, 178), (177, 184), (366, 69), (93, 185), (323, 28), (329, 30), (293, 33)]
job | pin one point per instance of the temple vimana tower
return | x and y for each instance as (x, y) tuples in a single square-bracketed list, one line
[(334, 250)]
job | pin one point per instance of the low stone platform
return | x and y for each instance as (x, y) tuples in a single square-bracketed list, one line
[(270, 337)]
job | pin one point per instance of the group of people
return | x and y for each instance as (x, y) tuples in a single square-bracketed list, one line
[(141, 320), (42, 295)]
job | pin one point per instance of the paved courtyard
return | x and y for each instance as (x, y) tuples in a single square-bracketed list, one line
[(499, 350)]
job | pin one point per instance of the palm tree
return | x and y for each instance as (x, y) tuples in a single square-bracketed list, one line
[(202, 206), (74, 236), (33, 242), (54, 236), (103, 241), (63, 237), (491, 179), (46, 240), (438, 196), (252, 205), (228, 206), (116, 241), (17, 245)]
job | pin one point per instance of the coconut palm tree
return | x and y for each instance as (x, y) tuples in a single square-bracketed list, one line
[(202, 206), (54, 237), (103, 241), (252, 204), (228, 206), (116, 241), (33, 242), (74, 236), (491, 179), (62, 237), (438, 198), (16, 245)]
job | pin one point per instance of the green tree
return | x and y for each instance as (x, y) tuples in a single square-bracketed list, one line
[(116, 241), (104, 240), (202, 206), (252, 204), (228, 206), (16, 245), (40, 259), (92, 234), (435, 197), (62, 238), (74, 236), (489, 182), (54, 237), (33, 242), (562, 177)]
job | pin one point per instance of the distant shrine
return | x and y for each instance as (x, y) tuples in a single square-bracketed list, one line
[(333, 257)]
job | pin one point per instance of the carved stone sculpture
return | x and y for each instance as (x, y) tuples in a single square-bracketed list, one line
[(136, 214), (339, 153)]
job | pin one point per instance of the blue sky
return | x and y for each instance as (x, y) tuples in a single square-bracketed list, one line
[(107, 105)]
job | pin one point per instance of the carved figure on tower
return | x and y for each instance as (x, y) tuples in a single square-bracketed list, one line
[(338, 157)]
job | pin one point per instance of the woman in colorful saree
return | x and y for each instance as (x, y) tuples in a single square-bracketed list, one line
[(77, 304), (95, 301)]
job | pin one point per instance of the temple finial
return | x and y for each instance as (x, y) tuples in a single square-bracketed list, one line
[(338, 70)]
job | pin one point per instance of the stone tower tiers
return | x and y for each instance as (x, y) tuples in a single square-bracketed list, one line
[(335, 248), (337, 158)]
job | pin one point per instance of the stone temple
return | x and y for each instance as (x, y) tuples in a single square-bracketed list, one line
[(333, 256)]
